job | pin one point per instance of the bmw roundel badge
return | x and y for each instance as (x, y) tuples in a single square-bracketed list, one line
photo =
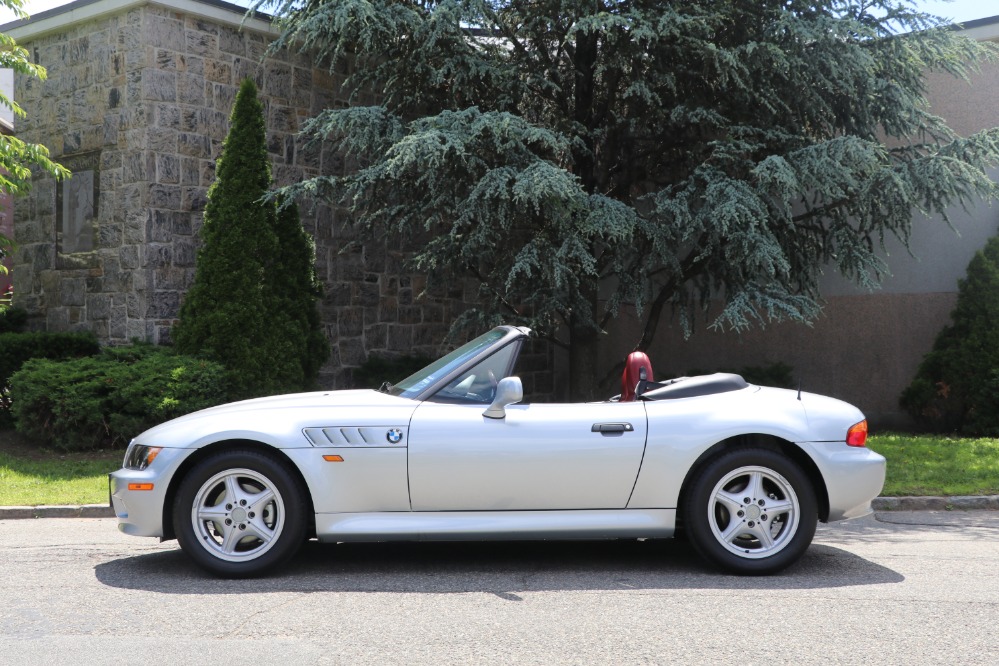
[(394, 436)]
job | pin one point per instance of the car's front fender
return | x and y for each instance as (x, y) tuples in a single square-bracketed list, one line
[(280, 421)]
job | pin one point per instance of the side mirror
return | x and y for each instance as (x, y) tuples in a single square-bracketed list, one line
[(508, 391)]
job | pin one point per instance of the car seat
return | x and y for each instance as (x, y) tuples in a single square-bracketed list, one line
[(637, 368)]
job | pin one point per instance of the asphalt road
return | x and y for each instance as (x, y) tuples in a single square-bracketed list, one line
[(899, 588)]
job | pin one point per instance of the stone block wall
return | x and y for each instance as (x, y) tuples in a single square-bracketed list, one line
[(7, 229), (137, 105)]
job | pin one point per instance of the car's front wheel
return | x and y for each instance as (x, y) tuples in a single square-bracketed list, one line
[(751, 511), (239, 513)]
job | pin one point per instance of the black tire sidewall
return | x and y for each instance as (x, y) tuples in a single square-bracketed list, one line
[(292, 534), (698, 498)]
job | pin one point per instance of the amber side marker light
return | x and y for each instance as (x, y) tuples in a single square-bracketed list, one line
[(140, 486), (333, 458), (857, 434)]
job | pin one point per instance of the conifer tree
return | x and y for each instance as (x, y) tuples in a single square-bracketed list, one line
[(577, 155), (957, 385), (238, 310)]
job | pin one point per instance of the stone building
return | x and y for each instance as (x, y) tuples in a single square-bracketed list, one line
[(136, 105)]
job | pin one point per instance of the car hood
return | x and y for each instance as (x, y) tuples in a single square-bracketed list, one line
[(279, 420)]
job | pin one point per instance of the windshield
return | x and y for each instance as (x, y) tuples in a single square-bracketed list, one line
[(412, 386)]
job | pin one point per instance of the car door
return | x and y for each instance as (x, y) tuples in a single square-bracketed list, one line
[(538, 457)]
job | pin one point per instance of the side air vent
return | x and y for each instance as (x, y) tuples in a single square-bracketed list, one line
[(367, 436)]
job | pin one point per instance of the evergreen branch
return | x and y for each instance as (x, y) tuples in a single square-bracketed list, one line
[(646, 153), (499, 296), (689, 267)]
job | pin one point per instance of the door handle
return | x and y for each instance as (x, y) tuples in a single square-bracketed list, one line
[(611, 428)]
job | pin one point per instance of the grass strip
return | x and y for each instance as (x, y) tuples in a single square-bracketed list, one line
[(938, 465), (54, 478)]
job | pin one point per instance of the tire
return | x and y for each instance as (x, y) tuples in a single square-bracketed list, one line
[(751, 511), (239, 514)]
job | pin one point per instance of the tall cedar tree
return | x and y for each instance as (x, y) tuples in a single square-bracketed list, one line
[(16, 156), (248, 306), (578, 155), (957, 385)]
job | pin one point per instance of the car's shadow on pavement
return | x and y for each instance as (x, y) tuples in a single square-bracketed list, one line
[(503, 569)]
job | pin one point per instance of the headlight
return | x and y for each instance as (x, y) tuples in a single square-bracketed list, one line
[(140, 456)]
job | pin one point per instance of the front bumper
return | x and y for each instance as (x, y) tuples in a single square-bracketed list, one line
[(140, 512), (854, 476)]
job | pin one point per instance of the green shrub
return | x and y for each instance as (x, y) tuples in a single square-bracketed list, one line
[(13, 320), (956, 387), (17, 348), (106, 400)]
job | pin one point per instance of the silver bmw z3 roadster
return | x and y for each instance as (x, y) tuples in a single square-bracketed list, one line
[(454, 453)]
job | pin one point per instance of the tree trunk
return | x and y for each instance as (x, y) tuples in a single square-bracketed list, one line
[(584, 344), (584, 335)]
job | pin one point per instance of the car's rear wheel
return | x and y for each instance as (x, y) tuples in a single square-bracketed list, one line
[(239, 513), (751, 511)]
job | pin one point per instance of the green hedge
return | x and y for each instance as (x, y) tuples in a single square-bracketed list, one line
[(17, 348), (107, 399), (13, 320)]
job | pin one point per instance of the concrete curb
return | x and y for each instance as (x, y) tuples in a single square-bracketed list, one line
[(963, 503), (966, 503), (85, 511)]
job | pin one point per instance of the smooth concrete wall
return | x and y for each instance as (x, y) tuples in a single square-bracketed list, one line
[(863, 349), (938, 255)]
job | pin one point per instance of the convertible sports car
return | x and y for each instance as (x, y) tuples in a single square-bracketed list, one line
[(452, 453)]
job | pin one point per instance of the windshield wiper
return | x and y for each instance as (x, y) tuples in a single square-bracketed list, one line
[(385, 387)]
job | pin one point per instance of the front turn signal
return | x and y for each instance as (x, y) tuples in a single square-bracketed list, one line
[(857, 434)]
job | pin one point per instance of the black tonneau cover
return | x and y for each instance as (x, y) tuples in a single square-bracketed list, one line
[(690, 387)]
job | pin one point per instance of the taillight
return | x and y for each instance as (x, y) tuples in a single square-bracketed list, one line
[(857, 434)]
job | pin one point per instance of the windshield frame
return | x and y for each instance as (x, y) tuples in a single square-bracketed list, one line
[(427, 381)]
